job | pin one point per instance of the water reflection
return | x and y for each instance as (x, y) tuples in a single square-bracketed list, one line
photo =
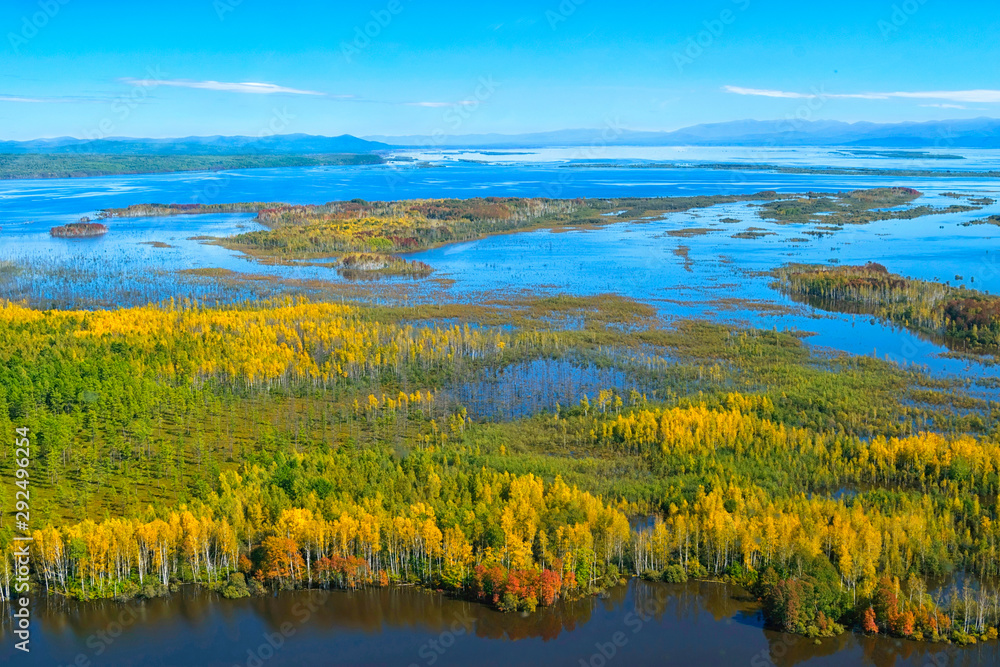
[(639, 623)]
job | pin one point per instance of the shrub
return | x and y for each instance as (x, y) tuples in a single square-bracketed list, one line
[(236, 587)]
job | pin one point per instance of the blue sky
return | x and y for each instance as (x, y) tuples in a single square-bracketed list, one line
[(184, 67)]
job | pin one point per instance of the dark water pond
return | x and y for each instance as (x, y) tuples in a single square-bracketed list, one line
[(636, 624)]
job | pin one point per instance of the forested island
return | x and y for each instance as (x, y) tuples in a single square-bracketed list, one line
[(80, 165), (79, 230), (963, 318), (308, 232)]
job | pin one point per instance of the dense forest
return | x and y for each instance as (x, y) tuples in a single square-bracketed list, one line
[(79, 165), (963, 318), (292, 443)]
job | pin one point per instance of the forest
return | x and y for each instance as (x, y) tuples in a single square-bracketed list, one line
[(82, 165), (259, 446), (79, 229), (962, 318)]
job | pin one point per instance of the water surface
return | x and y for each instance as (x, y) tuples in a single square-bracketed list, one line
[(639, 623)]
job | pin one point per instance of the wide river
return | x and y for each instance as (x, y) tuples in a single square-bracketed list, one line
[(707, 274)]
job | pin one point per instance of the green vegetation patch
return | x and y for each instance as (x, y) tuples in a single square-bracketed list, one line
[(959, 317), (80, 165)]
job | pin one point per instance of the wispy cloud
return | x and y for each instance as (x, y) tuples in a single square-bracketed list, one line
[(250, 87), (440, 105), (978, 96), (50, 100), (945, 106), (763, 92)]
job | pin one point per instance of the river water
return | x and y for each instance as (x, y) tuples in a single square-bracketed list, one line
[(640, 623)]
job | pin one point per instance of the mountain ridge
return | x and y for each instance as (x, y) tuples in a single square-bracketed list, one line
[(968, 133)]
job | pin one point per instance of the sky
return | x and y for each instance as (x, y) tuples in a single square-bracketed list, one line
[(100, 68)]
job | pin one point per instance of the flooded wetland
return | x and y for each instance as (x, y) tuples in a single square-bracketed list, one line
[(516, 406)]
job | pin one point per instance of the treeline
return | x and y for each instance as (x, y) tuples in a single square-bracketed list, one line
[(961, 317), (447, 516), (79, 229), (90, 165), (164, 210), (497, 537)]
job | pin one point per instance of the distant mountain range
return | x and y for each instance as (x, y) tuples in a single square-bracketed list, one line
[(975, 133), (282, 144)]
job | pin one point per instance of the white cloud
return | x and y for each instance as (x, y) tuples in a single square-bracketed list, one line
[(945, 106), (975, 96), (981, 96), (51, 100), (439, 105), (230, 87), (763, 93)]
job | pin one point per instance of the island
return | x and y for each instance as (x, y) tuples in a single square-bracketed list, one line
[(77, 230)]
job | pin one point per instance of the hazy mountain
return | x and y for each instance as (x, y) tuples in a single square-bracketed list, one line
[(974, 133), (215, 145)]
